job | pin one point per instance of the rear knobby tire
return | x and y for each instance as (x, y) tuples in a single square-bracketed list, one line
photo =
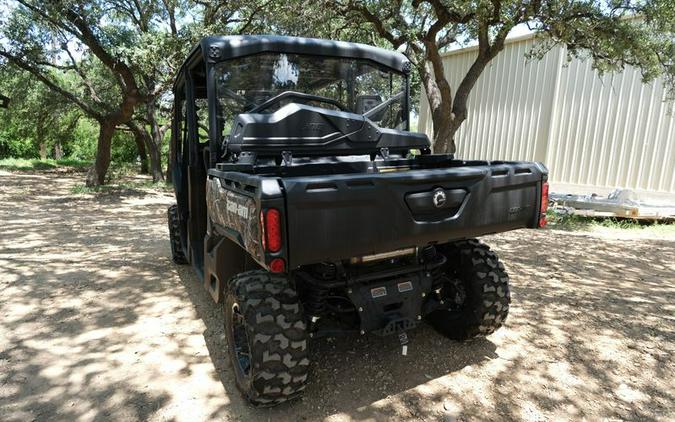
[(272, 332), (486, 288), (174, 236)]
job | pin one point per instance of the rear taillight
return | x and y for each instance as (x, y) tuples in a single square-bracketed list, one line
[(272, 233), (277, 265), (270, 223), (544, 204)]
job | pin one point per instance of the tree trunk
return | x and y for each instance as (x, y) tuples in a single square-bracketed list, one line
[(156, 160), (97, 173), (58, 151), (170, 163), (42, 144), (439, 96), (448, 112), (107, 126), (444, 135), (142, 153), (155, 144), (43, 150)]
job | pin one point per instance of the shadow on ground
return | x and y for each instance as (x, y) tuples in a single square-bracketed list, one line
[(97, 323), (349, 373)]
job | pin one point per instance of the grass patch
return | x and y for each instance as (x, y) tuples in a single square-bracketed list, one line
[(644, 226), (566, 221), (49, 164), (573, 222), (118, 171)]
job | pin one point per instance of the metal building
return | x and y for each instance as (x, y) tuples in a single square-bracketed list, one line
[(594, 133)]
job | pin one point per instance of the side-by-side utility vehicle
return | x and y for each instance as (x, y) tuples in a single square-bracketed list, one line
[(309, 209)]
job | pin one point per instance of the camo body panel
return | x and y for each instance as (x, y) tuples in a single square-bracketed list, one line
[(236, 212)]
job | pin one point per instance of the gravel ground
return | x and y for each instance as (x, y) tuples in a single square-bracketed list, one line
[(98, 324)]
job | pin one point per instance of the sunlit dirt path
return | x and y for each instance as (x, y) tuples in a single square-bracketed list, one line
[(98, 324)]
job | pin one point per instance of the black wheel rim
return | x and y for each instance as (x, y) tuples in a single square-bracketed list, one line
[(454, 294), (240, 346)]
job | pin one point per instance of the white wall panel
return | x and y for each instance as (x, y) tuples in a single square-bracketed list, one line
[(594, 133)]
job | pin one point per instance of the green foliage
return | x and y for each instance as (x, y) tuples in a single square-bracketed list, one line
[(124, 148), (49, 164), (14, 145), (35, 118), (631, 224), (83, 145), (614, 34)]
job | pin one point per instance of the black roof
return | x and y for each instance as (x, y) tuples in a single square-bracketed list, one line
[(217, 48)]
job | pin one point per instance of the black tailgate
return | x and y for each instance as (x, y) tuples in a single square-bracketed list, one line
[(342, 216)]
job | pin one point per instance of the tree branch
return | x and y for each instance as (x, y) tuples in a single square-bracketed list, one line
[(54, 65), (78, 70), (18, 62), (396, 41), (171, 13), (252, 15), (87, 36)]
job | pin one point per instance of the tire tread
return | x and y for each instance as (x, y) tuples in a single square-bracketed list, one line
[(276, 326), (174, 236)]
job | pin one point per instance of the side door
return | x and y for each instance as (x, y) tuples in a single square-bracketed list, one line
[(196, 155), (179, 158)]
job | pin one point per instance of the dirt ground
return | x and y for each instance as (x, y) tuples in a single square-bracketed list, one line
[(98, 324)]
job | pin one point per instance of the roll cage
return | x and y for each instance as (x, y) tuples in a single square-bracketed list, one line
[(196, 144)]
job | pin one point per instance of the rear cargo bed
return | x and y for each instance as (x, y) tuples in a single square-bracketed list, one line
[(331, 217)]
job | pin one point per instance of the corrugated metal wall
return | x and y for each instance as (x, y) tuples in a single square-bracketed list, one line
[(594, 133)]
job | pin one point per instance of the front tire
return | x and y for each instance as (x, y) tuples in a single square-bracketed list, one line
[(267, 337), (476, 292)]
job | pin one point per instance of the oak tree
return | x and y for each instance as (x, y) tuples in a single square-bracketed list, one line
[(612, 33)]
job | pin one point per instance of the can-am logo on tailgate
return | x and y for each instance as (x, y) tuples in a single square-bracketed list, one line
[(439, 198)]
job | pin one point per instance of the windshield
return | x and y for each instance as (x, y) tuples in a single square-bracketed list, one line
[(360, 86)]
